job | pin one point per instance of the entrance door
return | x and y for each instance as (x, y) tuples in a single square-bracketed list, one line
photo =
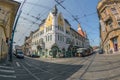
[(115, 44), (115, 47)]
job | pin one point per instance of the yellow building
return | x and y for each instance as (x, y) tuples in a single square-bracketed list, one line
[(109, 16), (8, 10)]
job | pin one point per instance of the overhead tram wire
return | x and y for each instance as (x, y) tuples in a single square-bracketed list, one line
[(86, 15), (76, 19), (68, 11), (28, 20), (31, 25), (44, 7), (35, 4)]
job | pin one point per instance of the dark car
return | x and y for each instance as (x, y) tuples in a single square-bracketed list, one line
[(34, 55), (100, 51), (20, 55)]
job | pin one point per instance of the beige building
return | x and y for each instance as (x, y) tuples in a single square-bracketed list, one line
[(8, 10), (109, 16)]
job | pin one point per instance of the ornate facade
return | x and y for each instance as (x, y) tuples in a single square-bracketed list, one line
[(8, 10), (109, 16), (55, 35)]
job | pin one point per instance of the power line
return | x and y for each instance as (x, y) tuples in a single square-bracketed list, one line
[(29, 20), (68, 11), (33, 22), (35, 4), (85, 15)]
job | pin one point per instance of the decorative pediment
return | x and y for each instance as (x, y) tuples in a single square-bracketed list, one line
[(60, 20), (49, 20)]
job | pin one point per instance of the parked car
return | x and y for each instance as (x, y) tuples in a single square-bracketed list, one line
[(34, 55)]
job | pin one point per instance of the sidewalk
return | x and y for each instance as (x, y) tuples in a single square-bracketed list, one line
[(117, 53)]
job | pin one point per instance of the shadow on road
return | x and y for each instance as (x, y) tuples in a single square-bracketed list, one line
[(48, 70)]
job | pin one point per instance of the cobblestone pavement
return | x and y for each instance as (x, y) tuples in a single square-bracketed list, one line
[(94, 67)]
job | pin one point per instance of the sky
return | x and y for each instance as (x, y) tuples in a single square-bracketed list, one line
[(84, 10)]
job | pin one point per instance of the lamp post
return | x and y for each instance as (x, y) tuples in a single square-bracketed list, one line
[(13, 30)]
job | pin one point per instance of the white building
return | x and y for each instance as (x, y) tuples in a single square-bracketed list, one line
[(55, 35)]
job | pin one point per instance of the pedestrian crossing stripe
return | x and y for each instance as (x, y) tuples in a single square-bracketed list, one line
[(6, 67), (9, 71), (8, 76)]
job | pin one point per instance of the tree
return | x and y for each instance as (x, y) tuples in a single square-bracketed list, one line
[(54, 50)]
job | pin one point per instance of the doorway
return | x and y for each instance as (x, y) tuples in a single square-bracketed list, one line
[(115, 44)]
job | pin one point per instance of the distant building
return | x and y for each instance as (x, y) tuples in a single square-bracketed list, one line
[(27, 44), (109, 16), (8, 10), (55, 36)]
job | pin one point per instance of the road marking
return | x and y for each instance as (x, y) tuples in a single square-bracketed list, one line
[(30, 72), (10, 71), (6, 67), (8, 76), (28, 64), (17, 64)]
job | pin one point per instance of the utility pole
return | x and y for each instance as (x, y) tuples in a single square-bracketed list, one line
[(13, 30)]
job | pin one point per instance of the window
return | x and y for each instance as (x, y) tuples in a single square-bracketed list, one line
[(41, 32), (46, 38), (114, 11), (58, 37), (118, 22), (76, 42), (68, 40), (67, 32), (48, 28), (63, 38), (109, 22), (60, 28)]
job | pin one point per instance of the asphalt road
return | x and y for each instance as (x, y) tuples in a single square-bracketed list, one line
[(94, 67)]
